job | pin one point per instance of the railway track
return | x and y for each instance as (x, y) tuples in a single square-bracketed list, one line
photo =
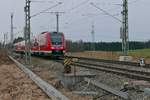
[(115, 67), (110, 66), (107, 67), (116, 71), (110, 61)]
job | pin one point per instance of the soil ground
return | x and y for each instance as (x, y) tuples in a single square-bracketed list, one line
[(15, 85)]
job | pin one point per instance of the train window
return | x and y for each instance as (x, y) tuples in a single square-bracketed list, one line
[(56, 40), (42, 40)]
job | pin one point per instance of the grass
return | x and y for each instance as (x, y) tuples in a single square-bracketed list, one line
[(97, 54), (114, 55), (140, 53)]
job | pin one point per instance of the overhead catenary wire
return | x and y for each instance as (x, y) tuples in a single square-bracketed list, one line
[(134, 1), (77, 6), (89, 17), (131, 2), (95, 15), (81, 4), (69, 10), (104, 11), (46, 10), (38, 1)]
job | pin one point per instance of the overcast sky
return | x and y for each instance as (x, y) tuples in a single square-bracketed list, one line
[(77, 20)]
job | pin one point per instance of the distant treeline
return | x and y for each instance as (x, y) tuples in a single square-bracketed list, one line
[(104, 46), (99, 46), (1, 45), (19, 39)]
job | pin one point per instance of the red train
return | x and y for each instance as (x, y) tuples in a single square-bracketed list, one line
[(45, 44)]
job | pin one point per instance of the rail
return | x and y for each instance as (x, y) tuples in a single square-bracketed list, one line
[(121, 94), (91, 63), (110, 61)]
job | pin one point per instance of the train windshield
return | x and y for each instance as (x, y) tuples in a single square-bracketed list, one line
[(56, 40)]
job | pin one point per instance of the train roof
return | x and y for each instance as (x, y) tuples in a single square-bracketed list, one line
[(52, 32)]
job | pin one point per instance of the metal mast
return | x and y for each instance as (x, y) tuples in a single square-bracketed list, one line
[(57, 19), (93, 37), (57, 16), (5, 40), (124, 29), (27, 33), (12, 27)]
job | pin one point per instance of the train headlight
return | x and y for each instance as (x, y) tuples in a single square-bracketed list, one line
[(61, 47), (52, 48)]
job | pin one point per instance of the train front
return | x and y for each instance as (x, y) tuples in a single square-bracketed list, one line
[(57, 44)]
